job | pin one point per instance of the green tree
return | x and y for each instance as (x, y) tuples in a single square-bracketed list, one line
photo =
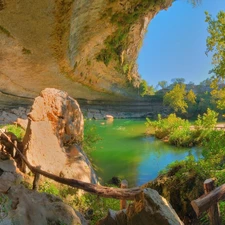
[(175, 98), (216, 42), (178, 98), (191, 97), (208, 120), (163, 84), (151, 90), (218, 93), (178, 80), (143, 88)]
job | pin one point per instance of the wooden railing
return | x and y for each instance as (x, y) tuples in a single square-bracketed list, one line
[(209, 201), (122, 193)]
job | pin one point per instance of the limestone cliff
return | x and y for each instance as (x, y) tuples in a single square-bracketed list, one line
[(85, 47)]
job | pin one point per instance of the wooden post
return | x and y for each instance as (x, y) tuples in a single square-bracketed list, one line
[(14, 149), (36, 180), (213, 212), (123, 202)]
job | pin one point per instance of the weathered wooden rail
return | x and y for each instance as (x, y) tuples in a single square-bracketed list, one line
[(209, 201), (103, 191)]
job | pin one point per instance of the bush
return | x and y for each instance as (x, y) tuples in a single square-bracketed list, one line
[(180, 133), (17, 130), (207, 121), (165, 128), (90, 137), (5, 206), (49, 188), (182, 137), (95, 208)]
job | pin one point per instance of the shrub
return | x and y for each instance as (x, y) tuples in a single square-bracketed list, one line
[(17, 130), (207, 121), (95, 208), (166, 126), (5, 205), (49, 188), (90, 137), (178, 131)]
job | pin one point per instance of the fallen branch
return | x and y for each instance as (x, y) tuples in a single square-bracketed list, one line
[(107, 192)]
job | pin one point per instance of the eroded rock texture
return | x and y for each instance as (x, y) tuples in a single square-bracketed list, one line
[(151, 209), (82, 47), (53, 135), (21, 206)]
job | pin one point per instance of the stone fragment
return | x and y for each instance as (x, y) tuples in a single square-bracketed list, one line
[(22, 123), (9, 174), (30, 207), (109, 117), (151, 208)]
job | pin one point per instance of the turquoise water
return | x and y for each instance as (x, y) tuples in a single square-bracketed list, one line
[(126, 152)]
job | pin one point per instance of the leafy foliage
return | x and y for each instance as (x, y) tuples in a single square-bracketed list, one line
[(216, 42), (5, 206), (49, 188), (145, 90), (175, 98), (191, 97), (207, 121), (90, 137), (218, 92), (183, 180), (166, 126), (116, 43), (163, 84), (17, 130), (180, 132), (94, 207)]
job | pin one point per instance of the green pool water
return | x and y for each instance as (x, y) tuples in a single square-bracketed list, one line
[(126, 152)]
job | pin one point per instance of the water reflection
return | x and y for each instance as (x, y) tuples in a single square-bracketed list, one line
[(125, 152)]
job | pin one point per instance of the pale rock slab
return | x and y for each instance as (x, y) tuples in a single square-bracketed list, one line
[(151, 208), (55, 125)]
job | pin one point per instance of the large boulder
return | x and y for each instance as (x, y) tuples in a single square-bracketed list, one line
[(25, 207), (9, 174), (21, 206), (54, 132), (151, 208)]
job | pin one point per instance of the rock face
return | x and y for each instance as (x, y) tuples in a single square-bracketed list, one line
[(10, 115), (189, 189), (9, 174), (53, 135), (21, 206), (30, 207), (151, 209), (98, 109), (82, 47)]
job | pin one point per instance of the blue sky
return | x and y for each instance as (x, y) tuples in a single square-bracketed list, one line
[(175, 43)]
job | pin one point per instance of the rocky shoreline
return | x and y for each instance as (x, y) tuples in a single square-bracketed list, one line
[(97, 109)]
